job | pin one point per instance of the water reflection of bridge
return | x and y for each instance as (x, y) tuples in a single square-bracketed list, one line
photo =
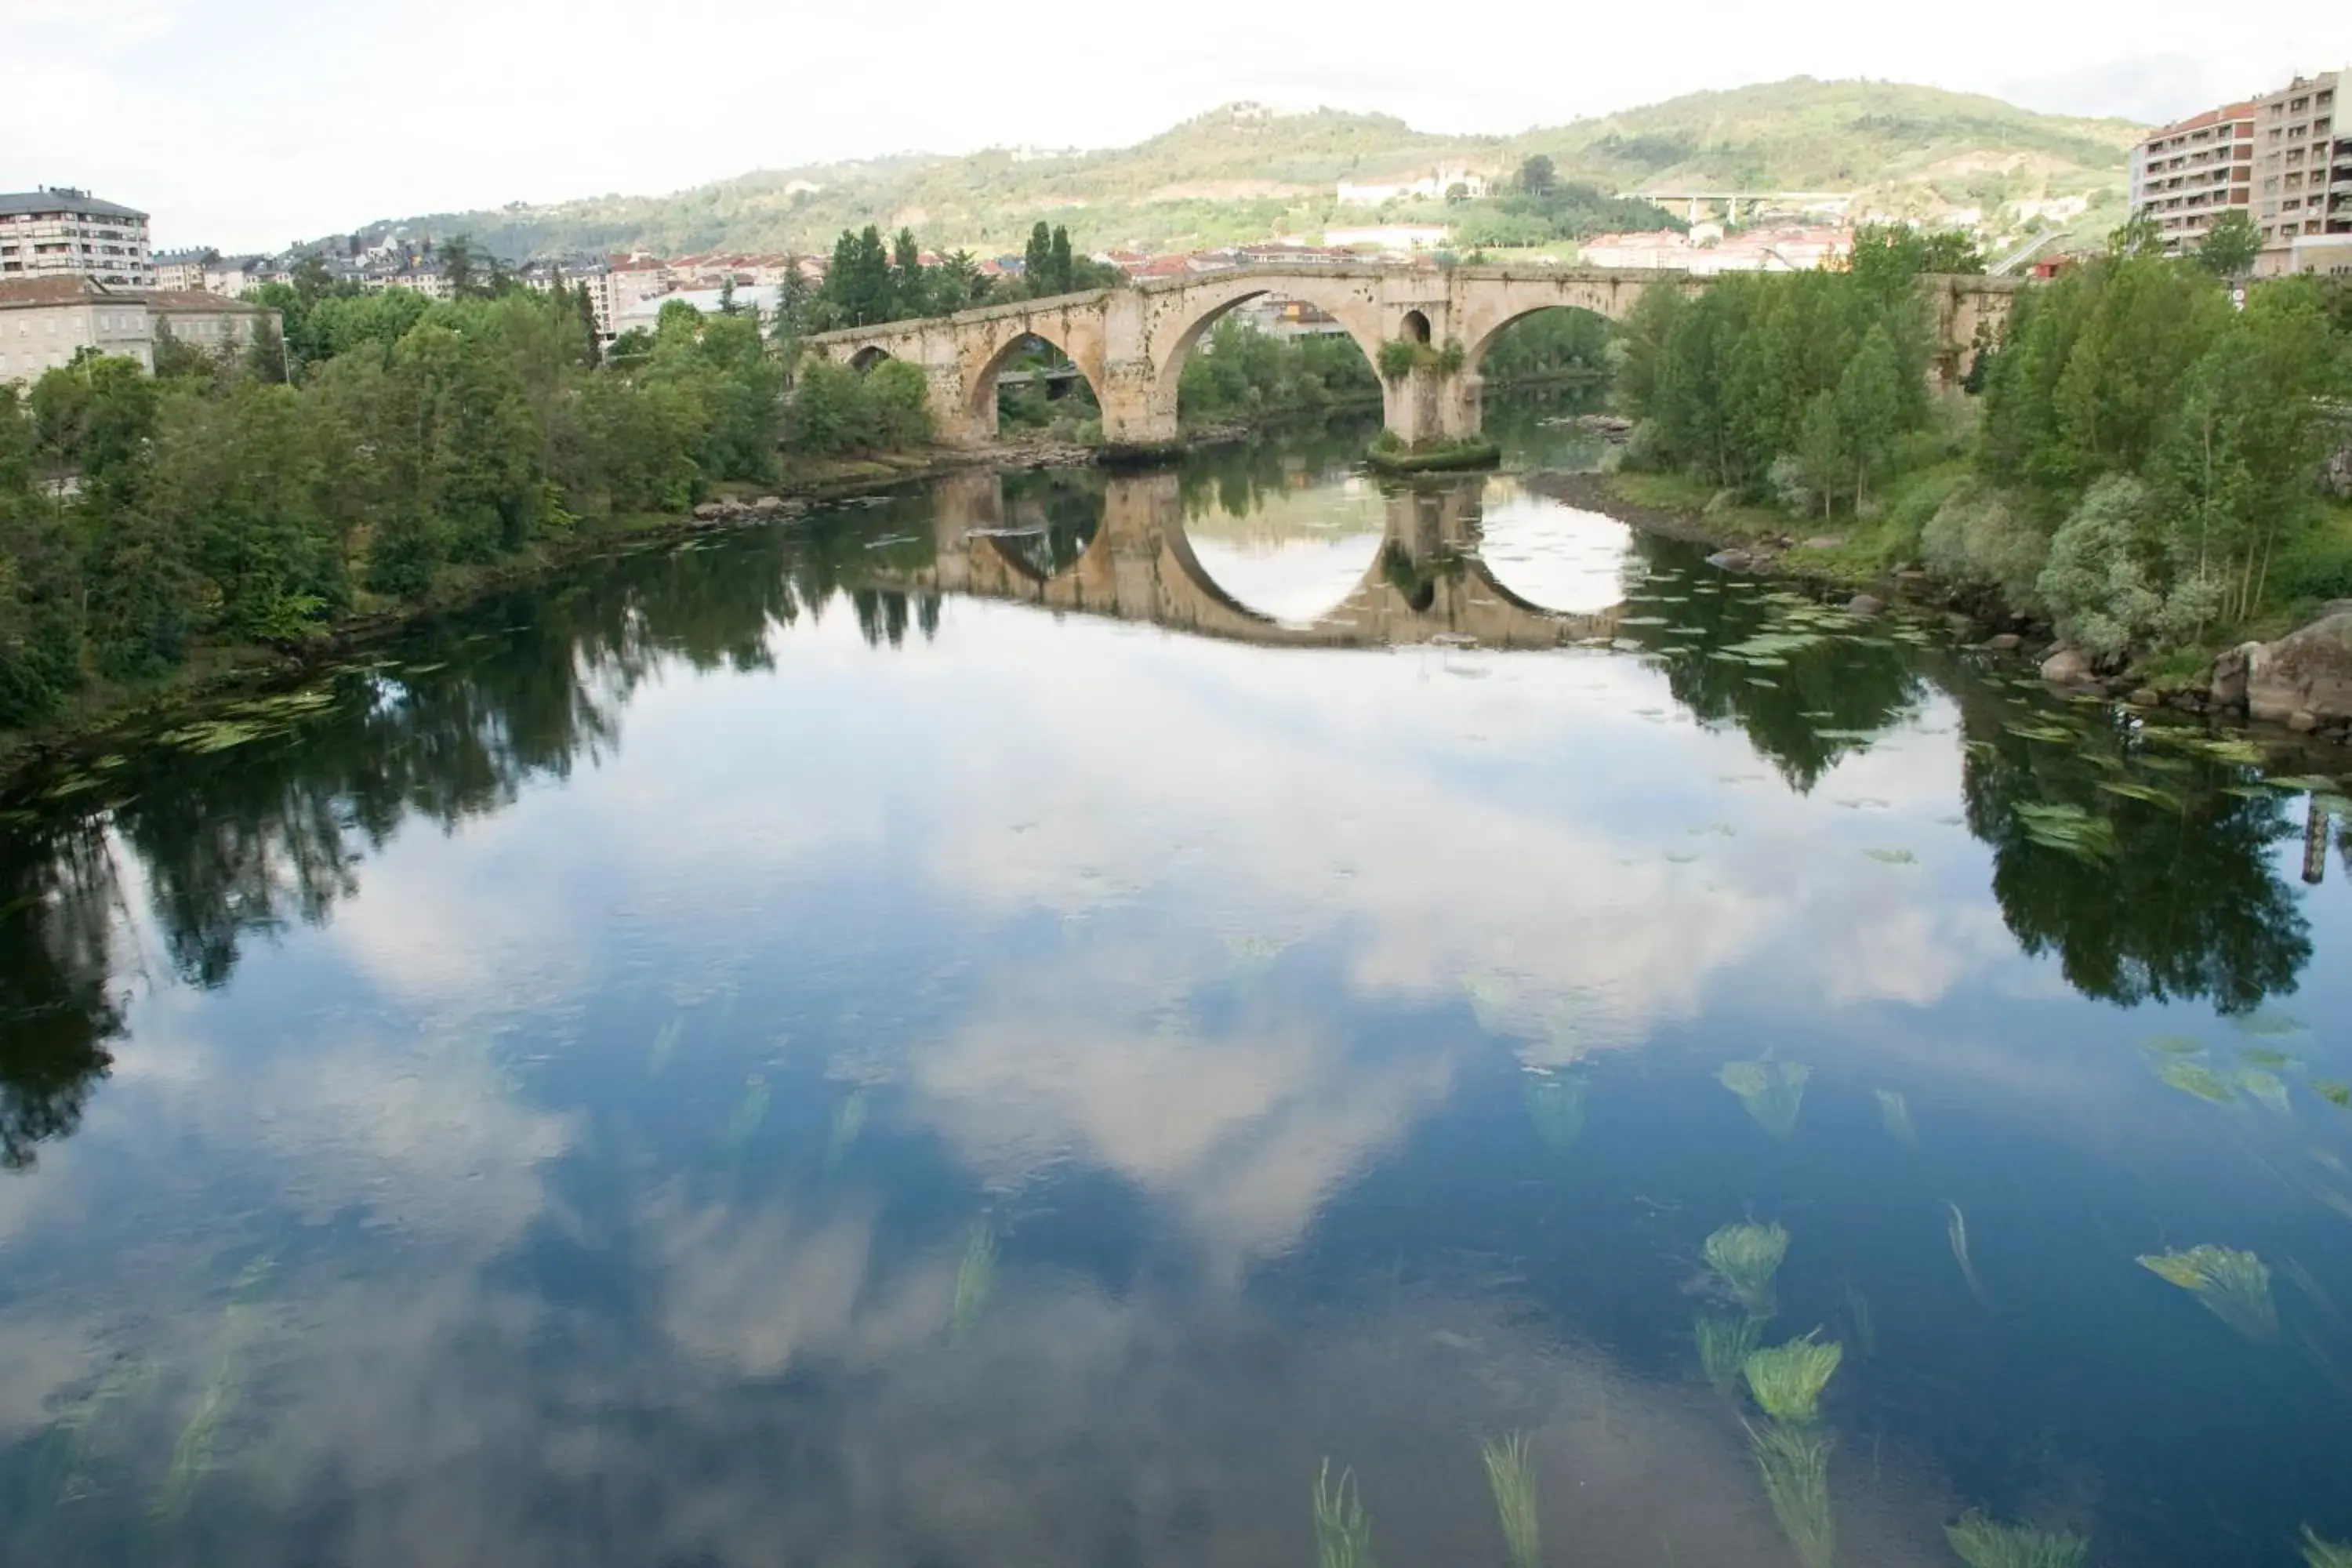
[(1427, 581)]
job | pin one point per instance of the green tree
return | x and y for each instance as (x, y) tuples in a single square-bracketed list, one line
[(1037, 262), (1871, 400), (909, 288), (459, 265), (1062, 265), (1538, 176), (2231, 244)]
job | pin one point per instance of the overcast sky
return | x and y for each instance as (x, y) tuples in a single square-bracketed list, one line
[(251, 123)]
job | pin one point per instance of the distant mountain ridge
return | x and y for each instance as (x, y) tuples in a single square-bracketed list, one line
[(1244, 173)]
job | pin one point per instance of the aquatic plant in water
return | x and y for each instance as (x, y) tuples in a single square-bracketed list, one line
[(1343, 1532), (1981, 1543), (1514, 1481), (1895, 1112), (2265, 1088), (1795, 1464), (2319, 1553), (2235, 1286), (1746, 1257), (1786, 1380), (1773, 1092), (1958, 1229), (1724, 1345), (1556, 1105), (849, 1123), (975, 1282), (1866, 1326), (2195, 1077)]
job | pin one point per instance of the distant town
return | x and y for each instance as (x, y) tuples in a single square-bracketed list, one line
[(77, 271)]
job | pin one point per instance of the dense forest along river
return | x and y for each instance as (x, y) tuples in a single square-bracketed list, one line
[(1186, 1018)]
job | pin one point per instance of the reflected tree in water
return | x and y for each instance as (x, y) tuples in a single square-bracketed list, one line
[(57, 894), (2190, 903), (1803, 707)]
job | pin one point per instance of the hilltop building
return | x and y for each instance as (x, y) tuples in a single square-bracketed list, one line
[(66, 233), (45, 321), (1432, 186)]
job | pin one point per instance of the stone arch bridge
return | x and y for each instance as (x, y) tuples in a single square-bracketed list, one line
[(1426, 584), (1130, 343)]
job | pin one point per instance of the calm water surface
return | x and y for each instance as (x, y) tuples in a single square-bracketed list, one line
[(1010, 1024)]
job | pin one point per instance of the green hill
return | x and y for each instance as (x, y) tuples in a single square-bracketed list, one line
[(1243, 173)]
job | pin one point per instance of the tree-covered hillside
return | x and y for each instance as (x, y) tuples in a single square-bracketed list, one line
[(1244, 173)]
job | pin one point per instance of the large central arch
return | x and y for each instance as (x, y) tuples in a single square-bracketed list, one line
[(1176, 320)]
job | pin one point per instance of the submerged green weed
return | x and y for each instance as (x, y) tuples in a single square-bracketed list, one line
[(1746, 1257), (1555, 1106), (2319, 1553), (2195, 1077), (975, 1282), (1981, 1543), (1786, 1380), (1773, 1092), (1895, 1112), (1958, 1230), (849, 1124), (2069, 829), (2235, 1286), (1343, 1532), (1865, 1325), (1795, 1464), (1514, 1481), (1724, 1346)]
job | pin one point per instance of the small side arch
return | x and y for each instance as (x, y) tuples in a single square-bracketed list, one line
[(979, 385)]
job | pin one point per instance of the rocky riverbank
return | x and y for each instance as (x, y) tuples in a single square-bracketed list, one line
[(2301, 684)]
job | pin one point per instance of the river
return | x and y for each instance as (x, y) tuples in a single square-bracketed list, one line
[(1040, 1019)]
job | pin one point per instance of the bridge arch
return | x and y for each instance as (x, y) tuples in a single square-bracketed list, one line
[(866, 358), (1179, 318), (985, 360)]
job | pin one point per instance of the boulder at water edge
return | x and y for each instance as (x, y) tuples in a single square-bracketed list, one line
[(2228, 690), (2066, 666), (2309, 671)]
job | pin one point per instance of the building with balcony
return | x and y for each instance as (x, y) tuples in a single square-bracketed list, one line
[(66, 232), (2185, 175), (2302, 177)]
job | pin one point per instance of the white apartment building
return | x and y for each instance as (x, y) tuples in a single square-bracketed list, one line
[(2304, 172), (68, 233), (46, 322), (2186, 176)]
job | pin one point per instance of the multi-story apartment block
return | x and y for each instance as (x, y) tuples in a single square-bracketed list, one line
[(2304, 178), (2186, 176), (181, 270), (54, 232)]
